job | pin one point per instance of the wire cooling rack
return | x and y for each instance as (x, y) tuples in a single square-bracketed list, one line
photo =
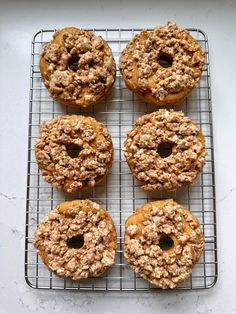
[(119, 193)]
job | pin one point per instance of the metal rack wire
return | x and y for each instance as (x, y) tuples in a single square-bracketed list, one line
[(119, 193)]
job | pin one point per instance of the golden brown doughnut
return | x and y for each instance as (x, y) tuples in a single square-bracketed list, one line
[(59, 167), (162, 242), (182, 137), (162, 66), (77, 240), (77, 67)]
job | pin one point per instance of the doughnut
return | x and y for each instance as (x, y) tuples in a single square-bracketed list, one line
[(162, 66), (77, 67), (165, 150), (77, 240), (73, 152), (162, 242)]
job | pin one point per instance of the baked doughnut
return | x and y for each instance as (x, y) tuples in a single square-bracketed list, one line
[(165, 150), (77, 240), (74, 152), (162, 66), (77, 67), (162, 243)]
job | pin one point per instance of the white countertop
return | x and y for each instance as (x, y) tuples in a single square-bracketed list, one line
[(19, 20)]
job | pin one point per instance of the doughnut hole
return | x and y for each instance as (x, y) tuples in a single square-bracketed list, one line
[(165, 149), (73, 63), (166, 243), (165, 60), (76, 242), (73, 150)]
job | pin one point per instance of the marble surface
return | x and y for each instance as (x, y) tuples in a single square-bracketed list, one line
[(19, 20)]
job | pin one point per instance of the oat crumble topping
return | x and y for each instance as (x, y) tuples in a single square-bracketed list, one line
[(143, 230), (139, 66), (70, 219), (181, 167), (89, 167)]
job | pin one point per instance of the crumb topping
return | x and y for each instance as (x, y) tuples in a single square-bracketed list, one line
[(85, 218), (164, 268), (92, 73), (90, 166), (181, 167), (139, 61)]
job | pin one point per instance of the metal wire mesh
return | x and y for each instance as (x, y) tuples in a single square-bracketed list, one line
[(119, 193)]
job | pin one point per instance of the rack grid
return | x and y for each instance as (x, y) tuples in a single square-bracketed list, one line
[(119, 192)]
